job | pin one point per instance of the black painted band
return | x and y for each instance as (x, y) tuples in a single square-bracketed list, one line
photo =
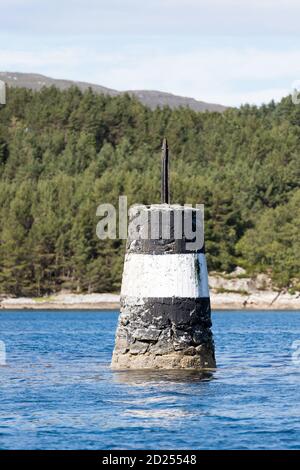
[(162, 247), (163, 311), (162, 231)]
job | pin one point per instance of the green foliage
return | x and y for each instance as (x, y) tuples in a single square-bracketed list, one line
[(274, 242), (62, 153)]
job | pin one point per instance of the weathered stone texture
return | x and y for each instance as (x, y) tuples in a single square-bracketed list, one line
[(164, 333)]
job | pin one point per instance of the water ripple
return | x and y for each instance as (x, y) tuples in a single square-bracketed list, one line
[(57, 390)]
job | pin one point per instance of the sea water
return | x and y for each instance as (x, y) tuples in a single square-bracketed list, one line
[(58, 392)]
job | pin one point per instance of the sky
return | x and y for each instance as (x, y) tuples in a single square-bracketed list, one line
[(221, 51)]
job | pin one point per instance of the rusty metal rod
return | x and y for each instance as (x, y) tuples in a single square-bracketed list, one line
[(165, 196)]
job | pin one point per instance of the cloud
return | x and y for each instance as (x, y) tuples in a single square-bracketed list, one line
[(258, 97), (23, 59), (227, 75), (211, 17), (178, 46)]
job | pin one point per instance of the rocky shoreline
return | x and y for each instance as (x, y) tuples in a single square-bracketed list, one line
[(227, 292), (263, 300)]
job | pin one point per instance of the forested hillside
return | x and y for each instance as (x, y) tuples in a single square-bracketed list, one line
[(64, 152)]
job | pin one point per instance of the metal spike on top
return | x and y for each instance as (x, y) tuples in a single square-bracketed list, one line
[(165, 196)]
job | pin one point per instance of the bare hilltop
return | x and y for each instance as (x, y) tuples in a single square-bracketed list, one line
[(150, 98)]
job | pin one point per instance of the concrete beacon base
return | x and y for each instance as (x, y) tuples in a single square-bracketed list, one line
[(165, 317)]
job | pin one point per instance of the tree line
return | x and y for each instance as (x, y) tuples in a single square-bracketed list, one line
[(62, 153)]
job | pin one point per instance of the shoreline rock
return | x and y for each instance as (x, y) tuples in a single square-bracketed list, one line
[(258, 300), (234, 291)]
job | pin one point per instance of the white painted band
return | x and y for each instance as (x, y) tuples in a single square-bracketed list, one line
[(176, 275)]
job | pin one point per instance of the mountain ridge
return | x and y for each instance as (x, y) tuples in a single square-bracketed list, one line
[(150, 98)]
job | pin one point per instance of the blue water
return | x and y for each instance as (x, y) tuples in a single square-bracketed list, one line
[(57, 391)]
